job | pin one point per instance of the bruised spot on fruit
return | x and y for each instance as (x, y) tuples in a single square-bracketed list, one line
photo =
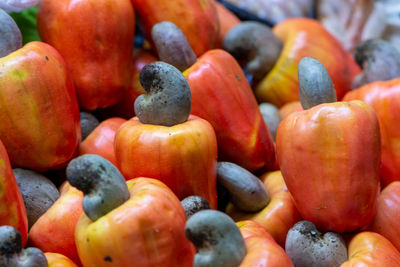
[(108, 258), (99, 43)]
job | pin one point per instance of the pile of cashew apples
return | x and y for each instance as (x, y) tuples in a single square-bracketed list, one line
[(199, 133)]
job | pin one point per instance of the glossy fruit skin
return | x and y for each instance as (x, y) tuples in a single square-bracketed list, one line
[(54, 231), (12, 207), (279, 215), (95, 38), (329, 158), (304, 37), (290, 108), (387, 219), (39, 111), (58, 260), (101, 140), (222, 96), (147, 230), (371, 249), (262, 250), (183, 156), (198, 19), (384, 98)]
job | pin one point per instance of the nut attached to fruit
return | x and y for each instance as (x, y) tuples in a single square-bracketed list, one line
[(315, 84), (12, 254), (103, 185), (217, 238), (168, 98)]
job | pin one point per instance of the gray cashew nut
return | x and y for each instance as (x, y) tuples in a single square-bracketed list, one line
[(256, 45), (38, 192), (246, 191), (193, 204), (172, 45), (168, 98), (217, 238), (315, 84), (307, 247), (10, 35), (103, 185), (271, 116), (379, 60), (12, 254)]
